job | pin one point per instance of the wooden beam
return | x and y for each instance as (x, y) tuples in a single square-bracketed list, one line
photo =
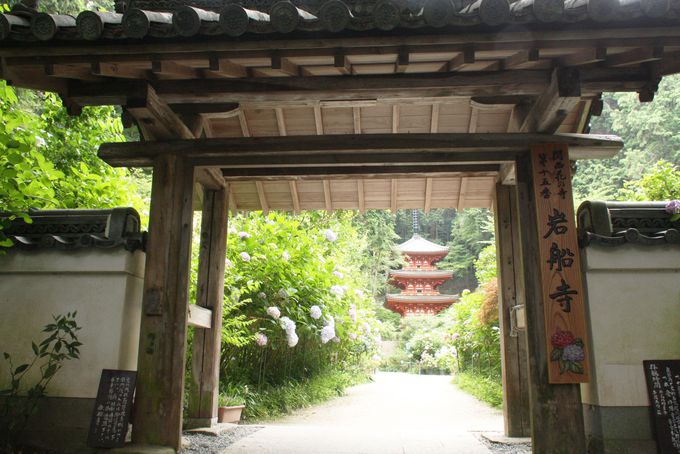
[(199, 317), (327, 196), (461, 193), (262, 197), (480, 147), (553, 106), (556, 410), (70, 72), (224, 68), (163, 332), (402, 61), (635, 56), (232, 200), (341, 62), (295, 197), (466, 57), (472, 124), (519, 58), (105, 69), (516, 412), (245, 130), (280, 121), (434, 118), (361, 195), (356, 116), (205, 359), (395, 118), (393, 195), (285, 65), (354, 172), (172, 69), (507, 173), (318, 120), (584, 57), (157, 118), (428, 194)]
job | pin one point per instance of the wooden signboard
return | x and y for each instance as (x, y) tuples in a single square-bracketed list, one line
[(112, 409), (562, 285), (663, 386)]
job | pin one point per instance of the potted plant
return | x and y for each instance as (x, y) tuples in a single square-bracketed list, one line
[(230, 408)]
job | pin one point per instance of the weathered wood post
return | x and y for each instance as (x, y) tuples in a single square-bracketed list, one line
[(511, 293), (162, 340), (205, 360), (556, 411)]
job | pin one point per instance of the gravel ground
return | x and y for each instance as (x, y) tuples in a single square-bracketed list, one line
[(506, 448), (211, 444)]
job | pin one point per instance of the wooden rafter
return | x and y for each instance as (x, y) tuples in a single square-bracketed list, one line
[(356, 117), (361, 196), (474, 114), (461, 193), (428, 195), (295, 197), (356, 171), (232, 200), (264, 205), (584, 57), (280, 121), (393, 195), (245, 130), (553, 106), (318, 120), (327, 196), (156, 119), (635, 56), (434, 118), (395, 118)]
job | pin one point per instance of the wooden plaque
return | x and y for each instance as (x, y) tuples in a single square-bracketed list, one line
[(663, 386), (562, 285), (112, 409)]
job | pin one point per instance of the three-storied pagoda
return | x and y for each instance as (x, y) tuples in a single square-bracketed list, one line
[(419, 279)]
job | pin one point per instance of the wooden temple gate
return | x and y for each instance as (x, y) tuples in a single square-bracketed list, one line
[(333, 105)]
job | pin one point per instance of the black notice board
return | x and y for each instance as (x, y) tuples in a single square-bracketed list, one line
[(112, 409), (663, 386)]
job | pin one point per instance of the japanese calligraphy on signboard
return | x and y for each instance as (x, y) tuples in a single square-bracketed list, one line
[(112, 409), (663, 386), (560, 265)]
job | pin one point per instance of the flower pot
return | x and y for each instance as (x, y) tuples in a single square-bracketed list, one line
[(230, 414)]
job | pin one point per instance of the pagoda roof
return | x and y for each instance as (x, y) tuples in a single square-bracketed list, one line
[(422, 274), (419, 245), (400, 298)]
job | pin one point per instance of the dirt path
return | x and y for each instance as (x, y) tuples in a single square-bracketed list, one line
[(397, 413)]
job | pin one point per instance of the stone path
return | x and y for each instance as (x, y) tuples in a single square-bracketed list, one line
[(397, 413)]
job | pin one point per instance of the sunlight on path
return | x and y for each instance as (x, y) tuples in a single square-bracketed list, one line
[(397, 413)]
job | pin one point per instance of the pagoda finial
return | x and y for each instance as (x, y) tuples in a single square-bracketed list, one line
[(416, 222)]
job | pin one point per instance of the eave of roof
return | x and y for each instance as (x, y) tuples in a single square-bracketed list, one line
[(419, 245)]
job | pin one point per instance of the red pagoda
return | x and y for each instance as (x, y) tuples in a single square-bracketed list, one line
[(419, 279)]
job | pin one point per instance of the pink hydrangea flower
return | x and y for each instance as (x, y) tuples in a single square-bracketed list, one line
[(261, 339), (243, 235), (245, 256), (274, 312)]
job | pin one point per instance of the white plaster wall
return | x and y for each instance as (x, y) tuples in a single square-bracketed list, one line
[(104, 286), (633, 309)]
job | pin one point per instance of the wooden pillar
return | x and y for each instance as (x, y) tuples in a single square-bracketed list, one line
[(205, 360), (511, 293), (162, 342), (556, 411)]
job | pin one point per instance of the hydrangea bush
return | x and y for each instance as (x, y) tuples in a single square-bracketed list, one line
[(297, 280)]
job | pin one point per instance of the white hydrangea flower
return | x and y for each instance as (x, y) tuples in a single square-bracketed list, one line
[(270, 222), (285, 255), (274, 312), (287, 324), (40, 142), (338, 290), (261, 339), (327, 333), (227, 263), (336, 339), (338, 274), (262, 295), (245, 256), (315, 312), (330, 235), (353, 336), (243, 235), (359, 293), (376, 357), (292, 339)]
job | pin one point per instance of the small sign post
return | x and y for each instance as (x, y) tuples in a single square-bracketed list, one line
[(561, 278), (663, 387), (112, 409)]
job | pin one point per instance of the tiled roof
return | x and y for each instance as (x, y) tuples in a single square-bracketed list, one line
[(138, 19), (418, 244), (617, 223), (77, 229)]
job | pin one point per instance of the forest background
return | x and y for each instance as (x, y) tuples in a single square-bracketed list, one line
[(48, 160)]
